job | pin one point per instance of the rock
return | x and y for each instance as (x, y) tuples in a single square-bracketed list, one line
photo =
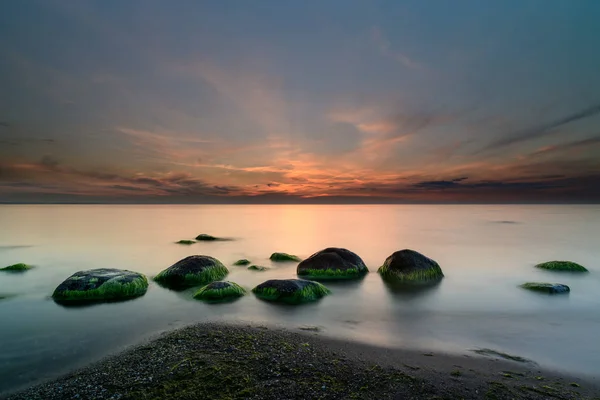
[(192, 271), (550, 288), (208, 238), (332, 263), (220, 291), (257, 268), (562, 266), (293, 291), (101, 284), (242, 262), (185, 241), (280, 257), (409, 266), (20, 267)]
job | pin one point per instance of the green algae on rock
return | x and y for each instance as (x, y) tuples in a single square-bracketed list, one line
[(281, 257), (102, 284), (220, 291), (203, 237), (550, 288), (242, 262), (332, 263), (192, 271), (257, 268), (292, 291), (409, 266), (568, 266), (20, 267), (185, 241)]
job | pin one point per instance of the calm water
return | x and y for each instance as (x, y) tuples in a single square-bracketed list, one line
[(485, 252)]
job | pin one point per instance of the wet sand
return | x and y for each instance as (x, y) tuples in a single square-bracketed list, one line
[(218, 361)]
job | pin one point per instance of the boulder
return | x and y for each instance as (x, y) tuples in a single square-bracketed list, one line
[(332, 263), (220, 291), (293, 291), (562, 266), (281, 257), (185, 241), (550, 288), (102, 284), (242, 262), (208, 238), (409, 266), (257, 268), (192, 271)]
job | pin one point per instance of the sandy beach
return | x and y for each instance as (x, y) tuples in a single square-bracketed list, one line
[(217, 361)]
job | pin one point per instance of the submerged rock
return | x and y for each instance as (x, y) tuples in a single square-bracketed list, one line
[(409, 266), (293, 291), (101, 284), (220, 291), (242, 262), (185, 241), (550, 288), (192, 271), (332, 263), (562, 266), (208, 238), (20, 267), (257, 268), (280, 257)]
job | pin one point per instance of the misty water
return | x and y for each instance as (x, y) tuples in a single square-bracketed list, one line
[(485, 251)]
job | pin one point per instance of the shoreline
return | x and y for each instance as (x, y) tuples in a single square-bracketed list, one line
[(239, 361)]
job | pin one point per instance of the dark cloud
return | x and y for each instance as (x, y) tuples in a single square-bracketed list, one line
[(129, 188), (440, 184), (4, 124), (49, 162), (569, 146), (24, 141), (542, 130)]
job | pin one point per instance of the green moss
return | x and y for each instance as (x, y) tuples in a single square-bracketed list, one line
[(422, 275), (562, 266), (280, 257), (257, 268), (242, 262), (207, 275), (309, 293), (545, 287), (17, 267), (109, 290), (214, 293), (352, 273), (185, 241)]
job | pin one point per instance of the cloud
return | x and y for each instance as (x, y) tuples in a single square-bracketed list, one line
[(562, 147), (386, 49), (440, 184), (542, 130), (4, 124)]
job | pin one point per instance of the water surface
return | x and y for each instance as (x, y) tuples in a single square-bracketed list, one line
[(485, 252)]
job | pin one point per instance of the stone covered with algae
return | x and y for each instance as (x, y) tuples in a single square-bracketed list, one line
[(550, 288), (257, 268), (102, 284), (292, 291), (332, 263), (281, 257), (243, 261), (20, 267), (192, 271), (568, 266), (186, 241), (409, 266), (220, 291)]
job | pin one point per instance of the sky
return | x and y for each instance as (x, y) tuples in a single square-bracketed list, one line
[(333, 101)]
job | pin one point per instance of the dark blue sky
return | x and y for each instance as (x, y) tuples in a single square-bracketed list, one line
[(290, 100)]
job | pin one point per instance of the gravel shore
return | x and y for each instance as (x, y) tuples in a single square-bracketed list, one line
[(216, 361)]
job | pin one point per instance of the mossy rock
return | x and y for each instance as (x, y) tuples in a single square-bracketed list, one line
[(409, 266), (282, 257), (203, 237), (562, 266), (220, 291), (550, 288), (102, 284), (332, 263), (192, 271), (242, 262), (20, 267), (292, 291), (185, 241), (257, 268)]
